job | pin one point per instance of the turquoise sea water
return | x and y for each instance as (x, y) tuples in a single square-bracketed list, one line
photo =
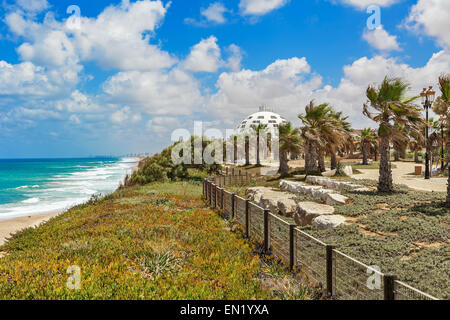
[(34, 186)]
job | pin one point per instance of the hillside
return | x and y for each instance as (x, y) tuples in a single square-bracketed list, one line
[(157, 241)]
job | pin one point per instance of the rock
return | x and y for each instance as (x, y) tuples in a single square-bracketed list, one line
[(273, 200), (328, 221), (307, 211), (363, 189), (348, 171), (287, 207), (331, 173), (336, 198)]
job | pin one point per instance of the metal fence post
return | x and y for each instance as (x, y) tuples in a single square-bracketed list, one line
[(389, 286), (330, 271), (215, 195), (232, 171), (266, 231), (205, 184), (221, 198), (210, 194), (233, 199), (247, 219), (292, 246)]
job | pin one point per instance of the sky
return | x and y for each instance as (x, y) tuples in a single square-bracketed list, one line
[(81, 78)]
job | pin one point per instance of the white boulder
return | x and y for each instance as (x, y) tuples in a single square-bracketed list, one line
[(328, 221), (336, 198), (307, 211)]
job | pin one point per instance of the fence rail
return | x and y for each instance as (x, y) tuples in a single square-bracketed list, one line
[(339, 275)]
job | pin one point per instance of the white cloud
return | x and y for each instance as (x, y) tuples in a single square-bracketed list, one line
[(160, 125), (431, 17), (215, 13), (119, 38), (364, 4), (380, 39), (235, 57), (349, 96), (31, 81), (260, 7), (33, 5), (78, 102), (205, 56), (281, 85), (288, 85), (172, 92), (75, 119)]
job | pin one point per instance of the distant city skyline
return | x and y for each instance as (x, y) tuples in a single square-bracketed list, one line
[(117, 77)]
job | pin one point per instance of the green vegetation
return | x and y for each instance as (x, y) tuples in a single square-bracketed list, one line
[(405, 232), (161, 168), (145, 242)]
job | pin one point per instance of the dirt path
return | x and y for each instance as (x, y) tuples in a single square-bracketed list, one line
[(401, 175)]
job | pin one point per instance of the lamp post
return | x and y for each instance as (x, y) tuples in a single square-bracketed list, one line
[(427, 101)]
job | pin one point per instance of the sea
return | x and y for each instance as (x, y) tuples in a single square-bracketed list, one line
[(35, 186)]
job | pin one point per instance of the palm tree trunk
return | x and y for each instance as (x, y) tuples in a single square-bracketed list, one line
[(247, 151), (322, 162), (235, 150), (448, 160), (310, 157), (284, 166), (385, 179), (364, 152), (396, 155), (416, 156), (258, 159), (333, 161)]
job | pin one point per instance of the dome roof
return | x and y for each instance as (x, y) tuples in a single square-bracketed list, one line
[(271, 119)]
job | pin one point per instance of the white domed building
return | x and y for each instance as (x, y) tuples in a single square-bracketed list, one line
[(264, 116)]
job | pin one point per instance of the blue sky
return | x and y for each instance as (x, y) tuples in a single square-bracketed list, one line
[(124, 74)]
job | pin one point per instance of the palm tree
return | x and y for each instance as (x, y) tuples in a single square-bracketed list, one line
[(416, 145), (345, 141), (290, 142), (368, 140), (258, 128), (391, 109), (318, 130), (434, 139), (442, 107)]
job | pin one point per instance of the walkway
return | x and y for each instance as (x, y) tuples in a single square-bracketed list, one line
[(402, 175)]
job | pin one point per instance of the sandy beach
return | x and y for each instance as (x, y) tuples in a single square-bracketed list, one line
[(11, 226)]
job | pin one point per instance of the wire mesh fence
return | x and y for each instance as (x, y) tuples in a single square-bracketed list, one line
[(353, 280), (406, 292), (310, 257), (239, 210), (337, 273), (256, 222), (279, 237)]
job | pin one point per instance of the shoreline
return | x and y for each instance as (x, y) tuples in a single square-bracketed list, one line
[(13, 225)]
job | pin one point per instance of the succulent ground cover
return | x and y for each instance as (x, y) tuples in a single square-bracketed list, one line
[(157, 241), (405, 232)]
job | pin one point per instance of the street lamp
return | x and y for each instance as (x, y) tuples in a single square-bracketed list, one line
[(427, 101)]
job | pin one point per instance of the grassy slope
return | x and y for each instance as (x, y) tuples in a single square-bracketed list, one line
[(151, 242)]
